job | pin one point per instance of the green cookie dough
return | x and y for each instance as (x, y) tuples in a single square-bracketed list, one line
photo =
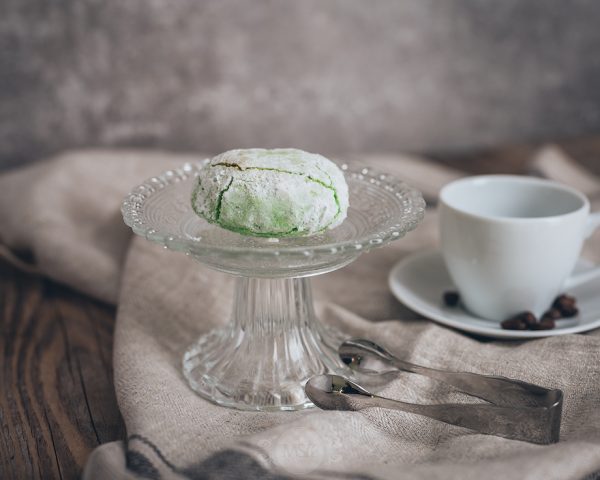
[(271, 193)]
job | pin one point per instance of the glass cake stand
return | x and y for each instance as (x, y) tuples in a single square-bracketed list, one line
[(273, 343)]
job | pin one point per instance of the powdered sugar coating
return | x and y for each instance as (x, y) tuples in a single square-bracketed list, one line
[(274, 193)]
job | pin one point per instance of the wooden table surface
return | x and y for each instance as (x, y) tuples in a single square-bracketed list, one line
[(57, 401)]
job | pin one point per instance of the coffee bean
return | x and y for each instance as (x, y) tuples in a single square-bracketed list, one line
[(521, 321), (545, 323), (529, 319), (451, 299), (566, 305), (564, 302), (564, 299), (513, 324)]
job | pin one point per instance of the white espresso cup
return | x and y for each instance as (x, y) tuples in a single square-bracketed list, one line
[(510, 243)]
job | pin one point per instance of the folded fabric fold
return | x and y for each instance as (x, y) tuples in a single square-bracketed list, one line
[(65, 211)]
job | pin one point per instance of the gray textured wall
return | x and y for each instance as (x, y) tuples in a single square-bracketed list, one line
[(333, 76)]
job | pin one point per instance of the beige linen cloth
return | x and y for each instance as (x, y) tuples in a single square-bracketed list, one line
[(66, 213)]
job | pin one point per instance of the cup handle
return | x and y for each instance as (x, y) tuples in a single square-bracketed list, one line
[(580, 278)]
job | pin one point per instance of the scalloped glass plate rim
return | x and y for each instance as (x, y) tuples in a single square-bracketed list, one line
[(185, 244)]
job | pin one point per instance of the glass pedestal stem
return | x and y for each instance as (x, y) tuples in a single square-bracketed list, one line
[(273, 344)]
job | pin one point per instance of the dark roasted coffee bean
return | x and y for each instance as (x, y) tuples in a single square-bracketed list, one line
[(528, 318), (515, 323), (545, 323), (451, 298), (566, 305), (564, 302)]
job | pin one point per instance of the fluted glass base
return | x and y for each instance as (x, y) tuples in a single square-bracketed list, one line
[(272, 346)]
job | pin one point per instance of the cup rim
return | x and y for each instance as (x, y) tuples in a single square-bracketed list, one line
[(523, 179)]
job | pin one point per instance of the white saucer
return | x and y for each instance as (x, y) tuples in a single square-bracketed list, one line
[(420, 280)]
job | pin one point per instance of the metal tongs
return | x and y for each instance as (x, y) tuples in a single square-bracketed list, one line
[(516, 409)]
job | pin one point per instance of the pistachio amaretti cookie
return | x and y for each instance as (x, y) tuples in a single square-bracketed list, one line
[(271, 193)]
